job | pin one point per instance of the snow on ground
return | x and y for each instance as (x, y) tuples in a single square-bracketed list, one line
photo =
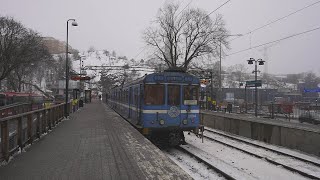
[(282, 159), (195, 169), (274, 147), (234, 161)]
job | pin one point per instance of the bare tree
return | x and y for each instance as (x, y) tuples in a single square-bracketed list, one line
[(177, 38), (237, 74), (60, 67), (27, 73), (205, 72), (91, 50), (114, 54), (75, 54), (110, 79), (19, 47), (12, 34), (106, 52)]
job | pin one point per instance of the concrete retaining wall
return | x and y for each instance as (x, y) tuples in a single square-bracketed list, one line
[(303, 139)]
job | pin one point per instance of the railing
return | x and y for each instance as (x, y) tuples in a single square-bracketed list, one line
[(21, 129), (14, 109)]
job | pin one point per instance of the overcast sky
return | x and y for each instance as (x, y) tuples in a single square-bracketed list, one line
[(118, 25)]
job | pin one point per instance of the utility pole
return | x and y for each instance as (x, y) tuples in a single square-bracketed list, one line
[(219, 94)]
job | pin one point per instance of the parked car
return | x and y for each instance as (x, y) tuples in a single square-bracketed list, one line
[(309, 118)]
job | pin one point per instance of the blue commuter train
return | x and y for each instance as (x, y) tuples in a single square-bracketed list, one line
[(161, 105)]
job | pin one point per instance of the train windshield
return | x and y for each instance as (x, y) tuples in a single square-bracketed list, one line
[(190, 95), (154, 94), (173, 95)]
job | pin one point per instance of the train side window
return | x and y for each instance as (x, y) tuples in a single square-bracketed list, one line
[(154, 94), (190, 95), (173, 95), (130, 96), (122, 95), (126, 94), (136, 94)]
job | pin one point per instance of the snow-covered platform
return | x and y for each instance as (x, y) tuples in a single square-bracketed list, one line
[(96, 143), (293, 135)]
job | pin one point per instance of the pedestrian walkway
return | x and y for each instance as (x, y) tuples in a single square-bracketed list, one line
[(96, 143)]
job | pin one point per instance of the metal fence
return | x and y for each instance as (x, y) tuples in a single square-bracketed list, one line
[(22, 129)]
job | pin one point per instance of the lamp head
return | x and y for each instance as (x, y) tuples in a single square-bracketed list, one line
[(261, 62), (250, 61), (74, 23)]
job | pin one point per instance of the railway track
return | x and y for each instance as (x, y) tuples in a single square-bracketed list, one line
[(208, 164), (264, 147), (270, 160)]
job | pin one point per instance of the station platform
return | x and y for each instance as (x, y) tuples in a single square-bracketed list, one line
[(95, 143)]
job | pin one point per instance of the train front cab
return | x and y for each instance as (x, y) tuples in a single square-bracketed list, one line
[(169, 109)]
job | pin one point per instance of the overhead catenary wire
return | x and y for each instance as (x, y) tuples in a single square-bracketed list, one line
[(218, 7), (278, 40), (276, 20), (144, 48), (185, 7)]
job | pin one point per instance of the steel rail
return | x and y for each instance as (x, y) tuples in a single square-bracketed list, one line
[(266, 158)]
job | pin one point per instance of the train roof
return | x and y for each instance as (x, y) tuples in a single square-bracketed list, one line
[(165, 77), (172, 77)]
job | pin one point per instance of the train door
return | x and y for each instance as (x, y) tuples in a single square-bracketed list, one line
[(140, 103), (174, 104), (136, 103), (190, 97)]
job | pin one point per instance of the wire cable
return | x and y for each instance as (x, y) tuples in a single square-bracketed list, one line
[(144, 48), (218, 7), (276, 20), (278, 40), (185, 7)]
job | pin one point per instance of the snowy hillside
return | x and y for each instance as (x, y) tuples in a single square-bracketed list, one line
[(92, 62)]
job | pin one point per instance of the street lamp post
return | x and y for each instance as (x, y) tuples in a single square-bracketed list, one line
[(74, 23), (261, 62)]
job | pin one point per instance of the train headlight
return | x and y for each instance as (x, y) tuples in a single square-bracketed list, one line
[(185, 121), (161, 122)]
